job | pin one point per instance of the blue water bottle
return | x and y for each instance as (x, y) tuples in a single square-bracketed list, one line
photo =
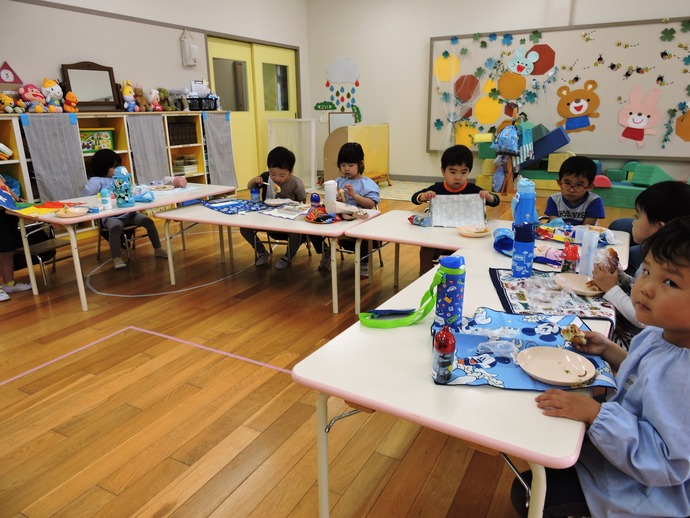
[(523, 250), (122, 182), (450, 292), (523, 204)]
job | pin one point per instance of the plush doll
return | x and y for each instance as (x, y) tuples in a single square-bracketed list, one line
[(33, 98), (166, 101), (69, 103), (130, 103), (8, 105), (139, 96), (154, 99), (52, 91)]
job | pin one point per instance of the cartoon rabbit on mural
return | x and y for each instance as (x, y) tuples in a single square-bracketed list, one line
[(639, 116)]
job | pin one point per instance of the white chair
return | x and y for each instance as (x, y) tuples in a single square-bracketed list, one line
[(43, 246)]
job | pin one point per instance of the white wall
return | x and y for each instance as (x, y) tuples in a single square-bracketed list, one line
[(389, 39), (42, 36)]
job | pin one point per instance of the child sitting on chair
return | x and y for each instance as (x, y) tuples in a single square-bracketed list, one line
[(355, 190), (456, 165), (277, 182), (636, 459), (576, 204), (654, 207), (103, 164), (10, 240)]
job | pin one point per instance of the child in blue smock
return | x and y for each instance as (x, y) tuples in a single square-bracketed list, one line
[(103, 164), (635, 460)]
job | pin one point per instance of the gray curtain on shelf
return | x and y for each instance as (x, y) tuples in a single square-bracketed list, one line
[(55, 149), (221, 164), (149, 152)]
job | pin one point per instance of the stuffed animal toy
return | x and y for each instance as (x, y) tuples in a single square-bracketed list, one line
[(8, 105), (33, 98), (140, 98), (154, 99), (52, 91), (69, 103), (166, 101), (130, 103)]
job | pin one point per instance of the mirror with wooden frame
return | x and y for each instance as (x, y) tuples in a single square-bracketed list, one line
[(93, 84)]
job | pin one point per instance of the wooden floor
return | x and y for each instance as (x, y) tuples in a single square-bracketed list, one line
[(178, 401)]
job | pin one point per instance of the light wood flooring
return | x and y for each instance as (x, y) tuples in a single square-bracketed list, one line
[(177, 401)]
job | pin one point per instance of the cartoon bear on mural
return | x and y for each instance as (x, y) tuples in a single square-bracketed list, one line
[(577, 107)]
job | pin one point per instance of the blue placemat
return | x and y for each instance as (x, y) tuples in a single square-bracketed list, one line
[(471, 367), (235, 205)]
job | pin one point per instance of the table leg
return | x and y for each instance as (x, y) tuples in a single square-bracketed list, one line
[(230, 247), (77, 266), (222, 244), (358, 281), (396, 276), (536, 501), (334, 279), (322, 453), (27, 256), (171, 265)]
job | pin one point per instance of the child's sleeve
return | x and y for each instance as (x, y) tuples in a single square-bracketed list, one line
[(415, 196), (596, 209), (496, 200), (623, 303), (372, 191), (551, 209), (300, 193)]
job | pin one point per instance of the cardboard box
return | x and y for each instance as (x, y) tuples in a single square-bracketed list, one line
[(93, 139)]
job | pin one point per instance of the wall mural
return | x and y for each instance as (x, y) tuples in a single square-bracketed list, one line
[(617, 90), (342, 81)]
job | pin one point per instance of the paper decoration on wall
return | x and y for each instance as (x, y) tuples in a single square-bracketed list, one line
[(464, 133), (446, 67), (487, 110), (640, 115), (9, 80), (342, 81), (577, 107), (523, 62)]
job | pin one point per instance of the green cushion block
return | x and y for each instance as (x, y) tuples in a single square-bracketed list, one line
[(485, 151), (646, 175), (619, 195), (539, 131), (616, 175)]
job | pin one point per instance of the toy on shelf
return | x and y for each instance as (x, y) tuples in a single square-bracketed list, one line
[(166, 101), (52, 91), (69, 103), (8, 105), (141, 100), (130, 103), (33, 99), (154, 99)]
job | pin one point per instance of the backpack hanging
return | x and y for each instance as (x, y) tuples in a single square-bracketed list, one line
[(507, 141)]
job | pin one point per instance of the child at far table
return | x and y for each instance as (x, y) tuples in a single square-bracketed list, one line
[(359, 191), (576, 204), (456, 165), (103, 164), (10, 240), (636, 461), (277, 182), (654, 208)]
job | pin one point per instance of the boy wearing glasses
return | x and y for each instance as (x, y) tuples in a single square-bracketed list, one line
[(576, 204)]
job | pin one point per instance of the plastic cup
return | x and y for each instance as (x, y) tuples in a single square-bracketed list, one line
[(590, 240)]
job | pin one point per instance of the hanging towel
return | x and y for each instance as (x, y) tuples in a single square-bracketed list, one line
[(55, 149), (221, 164), (147, 138)]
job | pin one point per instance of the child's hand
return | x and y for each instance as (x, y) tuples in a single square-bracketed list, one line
[(427, 196), (349, 190), (560, 403), (259, 181), (603, 278), (485, 195), (596, 343)]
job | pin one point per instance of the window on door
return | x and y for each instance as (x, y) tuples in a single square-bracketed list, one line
[(276, 95)]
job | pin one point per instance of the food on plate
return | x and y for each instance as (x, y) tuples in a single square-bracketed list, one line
[(608, 258), (592, 285), (473, 230), (574, 335)]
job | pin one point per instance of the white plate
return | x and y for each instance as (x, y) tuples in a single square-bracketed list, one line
[(71, 212), (577, 283), (277, 202), (473, 231), (556, 366)]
